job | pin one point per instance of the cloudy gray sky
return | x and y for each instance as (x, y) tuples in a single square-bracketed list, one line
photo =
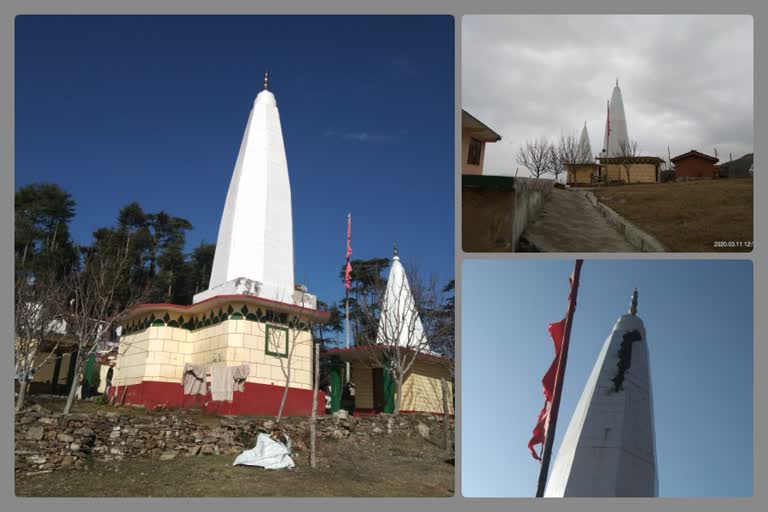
[(687, 81)]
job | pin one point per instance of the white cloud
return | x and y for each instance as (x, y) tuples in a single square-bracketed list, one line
[(687, 81)]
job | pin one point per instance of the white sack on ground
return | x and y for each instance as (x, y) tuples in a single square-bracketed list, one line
[(268, 454)]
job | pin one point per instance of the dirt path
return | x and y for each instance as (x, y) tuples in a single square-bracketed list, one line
[(569, 223)]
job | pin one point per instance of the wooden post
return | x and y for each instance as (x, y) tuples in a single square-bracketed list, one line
[(446, 419), (313, 416)]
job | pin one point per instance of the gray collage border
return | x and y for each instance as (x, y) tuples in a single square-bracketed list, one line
[(757, 8)]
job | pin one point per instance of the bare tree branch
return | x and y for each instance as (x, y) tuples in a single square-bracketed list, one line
[(93, 312), (627, 153), (538, 156), (39, 327)]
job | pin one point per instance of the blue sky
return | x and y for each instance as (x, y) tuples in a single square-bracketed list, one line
[(152, 109), (698, 320)]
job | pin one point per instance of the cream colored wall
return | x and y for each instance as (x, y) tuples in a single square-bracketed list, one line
[(363, 379), (583, 174), (639, 173), (103, 369), (422, 390), (160, 353), (466, 168), (45, 372)]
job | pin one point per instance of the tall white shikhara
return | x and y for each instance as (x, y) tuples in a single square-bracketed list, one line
[(584, 149), (609, 448), (400, 323), (616, 125), (254, 249)]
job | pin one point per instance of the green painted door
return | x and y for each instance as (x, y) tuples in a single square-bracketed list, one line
[(335, 378), (88, 375), (389, 391)]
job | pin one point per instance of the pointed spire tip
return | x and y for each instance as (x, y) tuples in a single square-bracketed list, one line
[(633, 304), (266, 80)]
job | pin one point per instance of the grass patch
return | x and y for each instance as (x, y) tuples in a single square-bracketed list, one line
[(688, 216)]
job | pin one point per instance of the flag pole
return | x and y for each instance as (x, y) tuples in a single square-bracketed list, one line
[(563, 359), (346, 300), (346, 364)]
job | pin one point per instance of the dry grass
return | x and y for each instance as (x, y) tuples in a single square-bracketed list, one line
[(688, 216), (385, 467)]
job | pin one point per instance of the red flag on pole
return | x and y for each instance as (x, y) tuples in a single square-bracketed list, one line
[(553, 387), (348, 268), (556, 330)]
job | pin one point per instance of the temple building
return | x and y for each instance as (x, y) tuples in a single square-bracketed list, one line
[(609, 448), (399, 330), (233, 350), (584, 170), (618, 161)]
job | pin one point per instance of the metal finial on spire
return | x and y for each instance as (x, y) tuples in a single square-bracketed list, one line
[(633, 304), (394, 249), (266, 80), (617, 81)]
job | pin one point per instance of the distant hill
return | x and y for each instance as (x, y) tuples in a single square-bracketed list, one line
[(737, 168)]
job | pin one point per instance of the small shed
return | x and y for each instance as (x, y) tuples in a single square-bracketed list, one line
[(695, 164)]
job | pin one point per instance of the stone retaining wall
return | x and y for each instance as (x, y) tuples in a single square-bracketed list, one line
[(46, 440)]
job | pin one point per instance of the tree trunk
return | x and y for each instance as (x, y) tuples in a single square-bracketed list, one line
[(313, 416), (398, 393), (446, 419), (22, 393), (73, 388), (285, 395)]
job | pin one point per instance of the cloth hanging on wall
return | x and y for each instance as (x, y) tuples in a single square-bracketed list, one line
[(225, 380), (194, 379)]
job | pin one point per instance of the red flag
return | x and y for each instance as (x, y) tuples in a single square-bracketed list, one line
[(556, 330), (348, 268)]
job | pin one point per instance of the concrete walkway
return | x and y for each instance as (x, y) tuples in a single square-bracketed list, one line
[(569, 223)]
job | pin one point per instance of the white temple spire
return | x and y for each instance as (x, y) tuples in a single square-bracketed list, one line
[(254, 248), (400, 322), (616, 124), (585, 148), (609, 448)]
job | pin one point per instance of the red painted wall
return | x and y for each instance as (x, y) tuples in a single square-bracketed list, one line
[(255, 400), (695, 167)]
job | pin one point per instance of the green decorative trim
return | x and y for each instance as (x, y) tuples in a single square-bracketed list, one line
[(273, 319), (266, 341)]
